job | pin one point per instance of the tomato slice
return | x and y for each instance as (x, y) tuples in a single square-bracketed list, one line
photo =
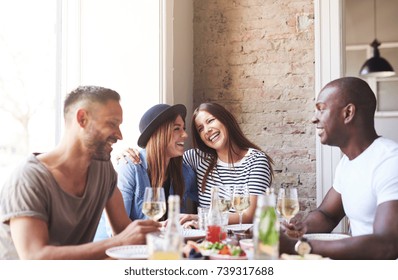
[(224, 250)]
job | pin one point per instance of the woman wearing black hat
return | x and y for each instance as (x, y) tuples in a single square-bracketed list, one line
[(223, 156), (162, 136)]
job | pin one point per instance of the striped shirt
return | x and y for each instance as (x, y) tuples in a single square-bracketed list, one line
[(253, 169)]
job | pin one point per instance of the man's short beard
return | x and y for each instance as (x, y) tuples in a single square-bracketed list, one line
[(101, 154)]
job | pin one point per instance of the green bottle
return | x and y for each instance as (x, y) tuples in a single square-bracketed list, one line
[(266, 228)]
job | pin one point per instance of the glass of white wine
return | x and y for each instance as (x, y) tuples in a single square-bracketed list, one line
[(154, 206), (288, 204), (241, 200), (225, 204), (225, 199)]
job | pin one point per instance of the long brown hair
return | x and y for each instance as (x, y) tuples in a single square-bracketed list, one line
[(158, 171), (235, 137)]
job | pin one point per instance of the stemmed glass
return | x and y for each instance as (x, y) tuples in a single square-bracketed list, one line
[(288, 204), (225, 204), (241, 200), (154, 206), (225, 199)]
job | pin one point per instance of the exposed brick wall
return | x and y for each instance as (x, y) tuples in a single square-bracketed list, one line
[(256, 57)]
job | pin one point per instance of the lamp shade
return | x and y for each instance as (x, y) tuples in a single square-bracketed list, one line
[(376, 66)]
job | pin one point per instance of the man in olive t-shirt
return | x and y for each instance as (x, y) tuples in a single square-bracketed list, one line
[(51, 205)]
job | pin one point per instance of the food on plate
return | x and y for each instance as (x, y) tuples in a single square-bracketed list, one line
[(226, 249), (193, 249)]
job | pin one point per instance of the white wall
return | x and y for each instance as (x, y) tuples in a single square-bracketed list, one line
[(183, 56)]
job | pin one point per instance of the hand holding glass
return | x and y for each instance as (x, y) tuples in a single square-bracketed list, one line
[(154, 206)]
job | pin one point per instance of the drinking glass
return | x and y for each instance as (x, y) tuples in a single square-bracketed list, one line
[(225, 199), (202, 217), (288, 204), (159, 248), (241, 200), (154, 206)]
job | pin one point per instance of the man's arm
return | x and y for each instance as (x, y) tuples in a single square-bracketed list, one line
[(328, 215), (31, 239), (323, 219), (382, 244), (116, 212)]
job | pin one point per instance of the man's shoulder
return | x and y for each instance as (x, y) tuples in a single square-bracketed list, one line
[(388, 144), (28, 168)]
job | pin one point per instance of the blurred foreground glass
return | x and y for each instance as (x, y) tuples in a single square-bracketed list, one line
[(202, 217), (266, 228), (158, 248)]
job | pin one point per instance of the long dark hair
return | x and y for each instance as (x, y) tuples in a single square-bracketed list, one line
[(235, 137)]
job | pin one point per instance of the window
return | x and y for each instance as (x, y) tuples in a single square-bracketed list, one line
[(50, 47), (27, 79), (384, 88)]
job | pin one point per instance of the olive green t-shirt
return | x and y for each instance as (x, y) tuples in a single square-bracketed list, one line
[(32, 191)]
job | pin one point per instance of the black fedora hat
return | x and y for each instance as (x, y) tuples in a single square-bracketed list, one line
[(154, 117)]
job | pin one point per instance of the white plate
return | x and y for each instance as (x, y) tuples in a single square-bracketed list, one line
[(237, 227), (129, 252), (325, 236), (193, 234)]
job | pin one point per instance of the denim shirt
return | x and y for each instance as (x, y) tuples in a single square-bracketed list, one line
[(132, 181)]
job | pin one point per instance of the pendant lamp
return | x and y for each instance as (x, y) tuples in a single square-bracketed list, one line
[(376, 66)]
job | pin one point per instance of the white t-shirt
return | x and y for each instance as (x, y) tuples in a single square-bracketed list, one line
[(367, 181)]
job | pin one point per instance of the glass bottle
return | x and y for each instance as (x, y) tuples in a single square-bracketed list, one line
[(173, 233), (214, 219), (266, 228)]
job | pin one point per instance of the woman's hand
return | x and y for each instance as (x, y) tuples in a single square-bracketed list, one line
[(131, 153), (191, 224), (189, 220)]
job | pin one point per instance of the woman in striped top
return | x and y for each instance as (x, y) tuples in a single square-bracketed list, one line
[(223, 156)]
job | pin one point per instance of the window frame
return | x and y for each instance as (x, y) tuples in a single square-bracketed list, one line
[(375, 82)]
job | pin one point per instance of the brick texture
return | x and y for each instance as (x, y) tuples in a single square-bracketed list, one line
[(256, 57)]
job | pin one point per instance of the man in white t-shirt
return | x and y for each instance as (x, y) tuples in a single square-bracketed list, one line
[(365, 187)]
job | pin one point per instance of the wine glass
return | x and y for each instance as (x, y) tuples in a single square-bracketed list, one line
[(225, 199), (288, 204), (225, 204), (241, 200), (154, 206)]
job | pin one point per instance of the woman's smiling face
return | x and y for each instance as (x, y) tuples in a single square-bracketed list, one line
[(176, 146), (212, 132)]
